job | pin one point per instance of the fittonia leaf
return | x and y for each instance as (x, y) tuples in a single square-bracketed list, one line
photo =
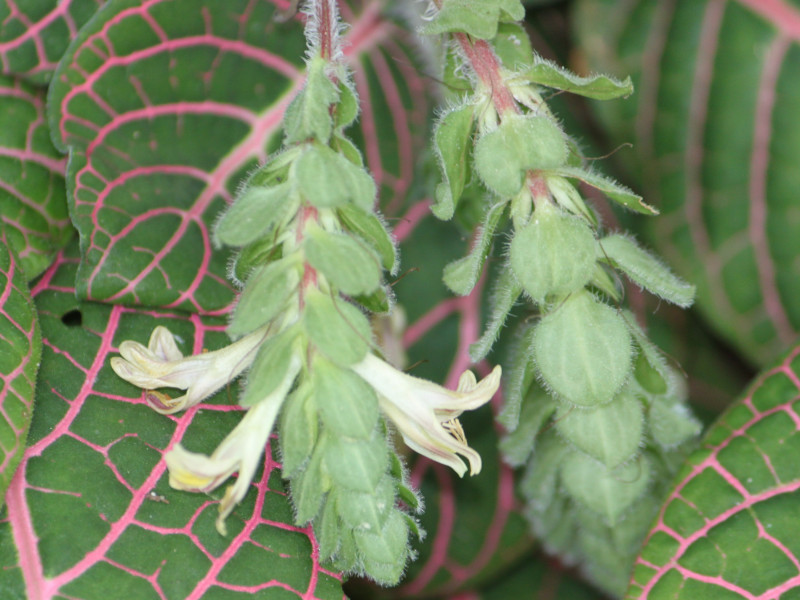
[(728, 528), (33, 199), (716, 134), (91, 513), (34, 35), (20, 351), (162, 127)]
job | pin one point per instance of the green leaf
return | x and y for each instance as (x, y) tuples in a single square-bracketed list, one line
[(616, 192), (20, 352), (347, 108), (255, 214), (519, 375), (347, 263), (598, 87), (308, 116), (372, 230), (452, 142), (479, 19), (163, 129), (94, 488), (518, 144), (518, 445), (265, 295), (298, 429), (462, 275), (327, 530), (583, 350), (33, 200), (505, 295), (553, 255), (277, 359), (608, 492), (35, 36), (328, 180), (729, 517), (611, 433), (646, 270), (347, 404)]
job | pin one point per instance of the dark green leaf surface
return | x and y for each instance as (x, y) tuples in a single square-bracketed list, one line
[(165, 106), (714, 123), (91, 514), (20, 351), (33, 200), (34, 35), (729, 527)]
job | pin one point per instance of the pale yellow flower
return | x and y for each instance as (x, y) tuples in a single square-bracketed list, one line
[(162, 365), (426, 414)]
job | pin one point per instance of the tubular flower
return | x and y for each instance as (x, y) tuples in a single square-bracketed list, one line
[(161, 364), (426, 414), (240, 451)]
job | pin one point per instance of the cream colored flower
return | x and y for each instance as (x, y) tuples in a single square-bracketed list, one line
[(240, 451), (161, 365), (426, 414)]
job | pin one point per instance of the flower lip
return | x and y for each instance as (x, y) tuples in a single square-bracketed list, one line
[(426, 414)]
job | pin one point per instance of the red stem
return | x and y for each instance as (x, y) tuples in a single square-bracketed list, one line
[(486, 66)]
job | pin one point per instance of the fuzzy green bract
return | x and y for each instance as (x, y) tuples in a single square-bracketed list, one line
[(518, 144), (583, 351), (479, 19), (553, 255)]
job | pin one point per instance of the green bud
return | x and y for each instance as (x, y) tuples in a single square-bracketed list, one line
[(608, 492), (611, 433), (520, 143), (554, 255), (337, 328), (583, 350), (346, 403), (346, 262)]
